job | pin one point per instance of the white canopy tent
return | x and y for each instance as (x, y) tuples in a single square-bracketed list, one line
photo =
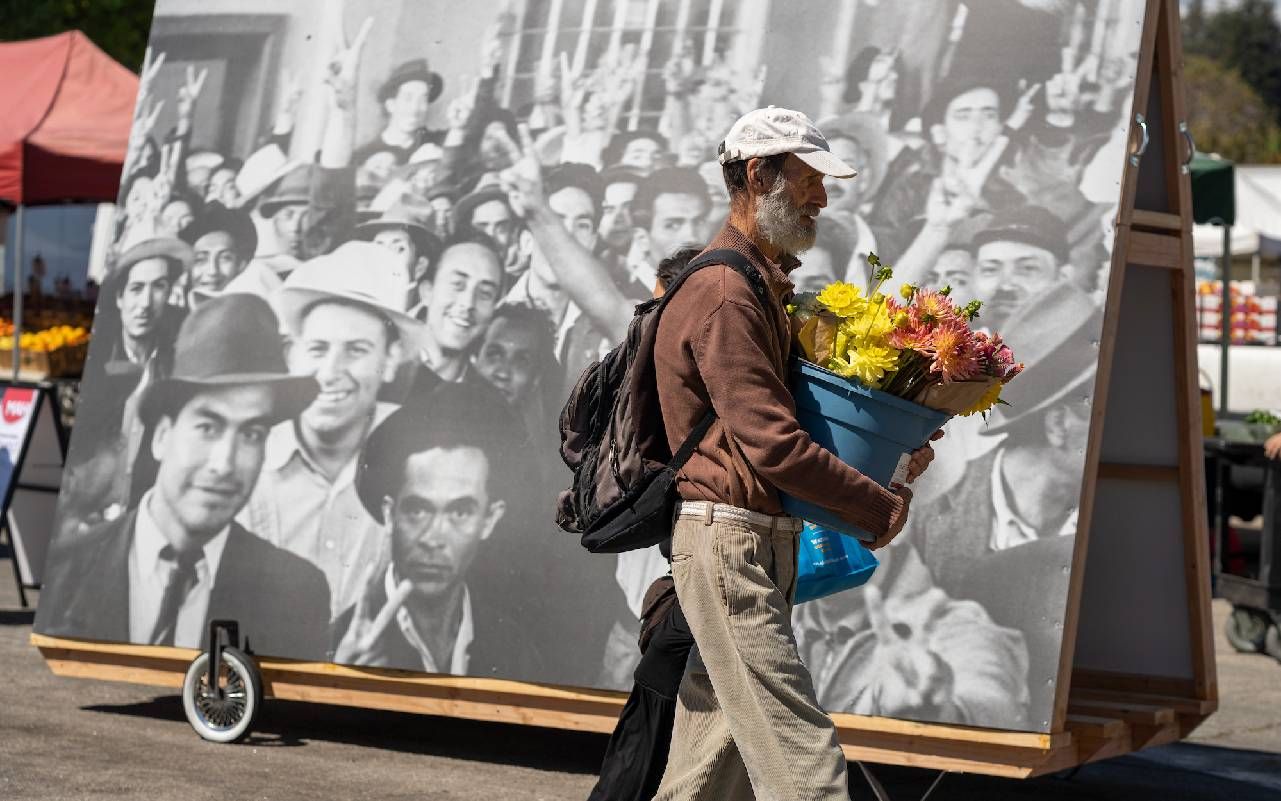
[(1258, 216)]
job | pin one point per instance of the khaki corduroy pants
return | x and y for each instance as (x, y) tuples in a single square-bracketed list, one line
[(748, 724)]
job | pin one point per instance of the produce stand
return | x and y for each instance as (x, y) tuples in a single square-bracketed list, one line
[(1136, 668)]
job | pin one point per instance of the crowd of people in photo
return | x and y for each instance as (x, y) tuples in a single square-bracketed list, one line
[(327, 386)]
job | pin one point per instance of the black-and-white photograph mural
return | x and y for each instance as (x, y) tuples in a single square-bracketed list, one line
[(364, 248)]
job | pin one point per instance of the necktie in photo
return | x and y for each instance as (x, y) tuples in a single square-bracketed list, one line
[(182, 578)]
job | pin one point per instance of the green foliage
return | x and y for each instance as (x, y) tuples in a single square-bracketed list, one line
[(1232, 79), (120, 27), (1227, 116), (1262, 417)]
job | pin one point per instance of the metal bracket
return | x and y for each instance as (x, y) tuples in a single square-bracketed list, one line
[(222, 633), (1143, 143), (881, 794), (1186, 166)]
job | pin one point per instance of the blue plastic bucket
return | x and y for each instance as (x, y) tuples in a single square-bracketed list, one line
[(867, 429)]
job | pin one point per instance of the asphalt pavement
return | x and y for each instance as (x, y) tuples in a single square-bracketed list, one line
[(80, 739)]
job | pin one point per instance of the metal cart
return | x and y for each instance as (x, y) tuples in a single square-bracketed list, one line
[(1249, 574)]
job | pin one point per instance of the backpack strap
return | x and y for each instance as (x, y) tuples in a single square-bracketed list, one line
[(740, 264), (735, 260)]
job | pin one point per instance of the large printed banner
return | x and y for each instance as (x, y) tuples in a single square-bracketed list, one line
[(364, 249)]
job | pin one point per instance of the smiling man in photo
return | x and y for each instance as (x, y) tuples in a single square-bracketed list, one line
[(459, 297), (161, 571), (343, 312)]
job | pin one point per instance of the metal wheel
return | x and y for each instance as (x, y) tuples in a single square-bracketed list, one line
[(1272, 642), (224, 717), (1246, 629)]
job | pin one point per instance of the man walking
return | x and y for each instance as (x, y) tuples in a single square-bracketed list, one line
[(748, 724)]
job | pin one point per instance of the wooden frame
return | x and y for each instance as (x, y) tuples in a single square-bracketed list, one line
[(1096, 713)]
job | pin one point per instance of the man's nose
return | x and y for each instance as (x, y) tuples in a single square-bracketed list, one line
[(332, 365), (222, 456)]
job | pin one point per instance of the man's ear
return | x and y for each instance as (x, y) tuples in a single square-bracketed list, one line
[(387, 506), (395, 355), (755, 178), (496, 511), (1056, 426), (389, 105), (158, 437), (938, 135)]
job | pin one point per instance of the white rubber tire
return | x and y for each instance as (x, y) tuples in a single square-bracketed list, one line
[(230, 719)]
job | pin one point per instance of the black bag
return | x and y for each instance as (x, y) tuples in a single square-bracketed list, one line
[(623, 495)]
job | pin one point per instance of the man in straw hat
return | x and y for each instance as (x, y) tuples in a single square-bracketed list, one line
[(748, 720), (438, 476), (176, 560), (344, 313)]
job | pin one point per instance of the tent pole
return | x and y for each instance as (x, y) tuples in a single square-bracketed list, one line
[(18, 269), (1225, 321)]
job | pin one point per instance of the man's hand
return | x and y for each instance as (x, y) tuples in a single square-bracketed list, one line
[(1272, 447), (921, 458), (359, 645), (523, 181), (949, 202), (188, 93), (461, 107), (151, 64), (896, 525), (1024, 107), (908, 678), (290, 97), (341, 76)]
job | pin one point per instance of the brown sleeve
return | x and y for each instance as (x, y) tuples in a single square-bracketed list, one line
[(757, 410)]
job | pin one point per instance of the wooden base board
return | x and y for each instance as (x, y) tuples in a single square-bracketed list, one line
[(1103, 722)]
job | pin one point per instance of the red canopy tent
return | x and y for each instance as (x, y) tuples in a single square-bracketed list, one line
[(65, 112), (66, 109)]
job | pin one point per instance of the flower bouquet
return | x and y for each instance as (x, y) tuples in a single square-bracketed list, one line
[(877, 375)]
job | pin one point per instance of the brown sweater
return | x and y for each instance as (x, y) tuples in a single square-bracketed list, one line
[(715, 346)]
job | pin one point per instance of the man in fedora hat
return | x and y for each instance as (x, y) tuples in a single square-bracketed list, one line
[(405, 97), (141, 285), (487, 210), (1003, 535), (223, 242), (439, 477), (398, 231), (1020, 254), (344, 313), (177, 559)]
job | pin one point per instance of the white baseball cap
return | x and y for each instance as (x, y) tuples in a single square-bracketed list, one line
[(769, 131)]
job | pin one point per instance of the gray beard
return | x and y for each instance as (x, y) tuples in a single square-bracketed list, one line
[(781, 223)]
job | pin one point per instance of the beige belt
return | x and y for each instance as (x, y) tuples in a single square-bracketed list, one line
[(723, 512)]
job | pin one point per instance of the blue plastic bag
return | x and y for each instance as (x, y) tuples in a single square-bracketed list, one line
[(829, 562)]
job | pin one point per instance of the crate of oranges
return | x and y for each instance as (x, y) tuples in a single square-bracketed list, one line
[(59, 350)]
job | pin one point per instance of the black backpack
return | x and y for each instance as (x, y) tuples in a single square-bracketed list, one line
[(612, 436)]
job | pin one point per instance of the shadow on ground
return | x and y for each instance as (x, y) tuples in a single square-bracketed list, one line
[(1178, 771), (295, 723), (17, 617)]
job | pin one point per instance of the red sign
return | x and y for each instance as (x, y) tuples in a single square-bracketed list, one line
[(16, 404)]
